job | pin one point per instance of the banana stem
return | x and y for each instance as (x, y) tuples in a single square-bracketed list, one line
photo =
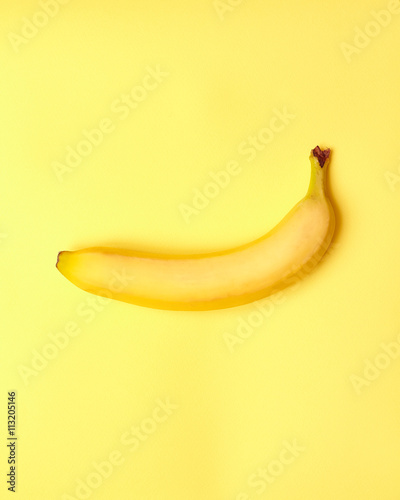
[(319, 159), (321, 154)]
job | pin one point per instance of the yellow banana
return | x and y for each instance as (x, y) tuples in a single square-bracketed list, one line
[(214, 280)]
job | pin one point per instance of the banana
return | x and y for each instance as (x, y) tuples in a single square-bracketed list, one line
[(220, 279)]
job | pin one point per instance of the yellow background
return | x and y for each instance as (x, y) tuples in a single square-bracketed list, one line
[(226, 70)]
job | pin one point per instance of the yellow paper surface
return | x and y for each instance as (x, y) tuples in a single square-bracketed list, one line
[(119, 123)]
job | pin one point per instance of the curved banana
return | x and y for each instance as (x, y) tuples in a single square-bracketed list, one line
[(214, 280)]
